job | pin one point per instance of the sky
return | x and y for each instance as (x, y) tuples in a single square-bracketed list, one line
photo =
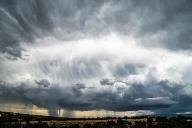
[(79, 58)]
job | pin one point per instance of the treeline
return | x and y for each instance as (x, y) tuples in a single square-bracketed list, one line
[(174, 122), (16, 120)]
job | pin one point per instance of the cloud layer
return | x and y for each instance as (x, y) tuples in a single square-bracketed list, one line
[(118, 55)]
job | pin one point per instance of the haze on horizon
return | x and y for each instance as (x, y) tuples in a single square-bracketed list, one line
[(79, 58)]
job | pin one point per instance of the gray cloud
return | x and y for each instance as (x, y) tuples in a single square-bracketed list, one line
[(43, 82), (60, 79), (107, 82), (160, 96), (153, 23)]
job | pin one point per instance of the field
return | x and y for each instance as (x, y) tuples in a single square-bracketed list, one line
[(16, 120)]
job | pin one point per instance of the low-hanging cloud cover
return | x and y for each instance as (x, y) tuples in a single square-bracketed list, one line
[(116, 55)]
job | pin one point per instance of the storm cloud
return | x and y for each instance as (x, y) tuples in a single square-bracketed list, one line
[(117, 55), (154, 23)]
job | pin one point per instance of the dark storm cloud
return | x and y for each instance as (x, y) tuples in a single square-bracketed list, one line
[(25, 21), (77, 89), (169, 25), (137, 97), (21, 21), (107, 82), (43, 82), (153, 22), (157, 96)]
